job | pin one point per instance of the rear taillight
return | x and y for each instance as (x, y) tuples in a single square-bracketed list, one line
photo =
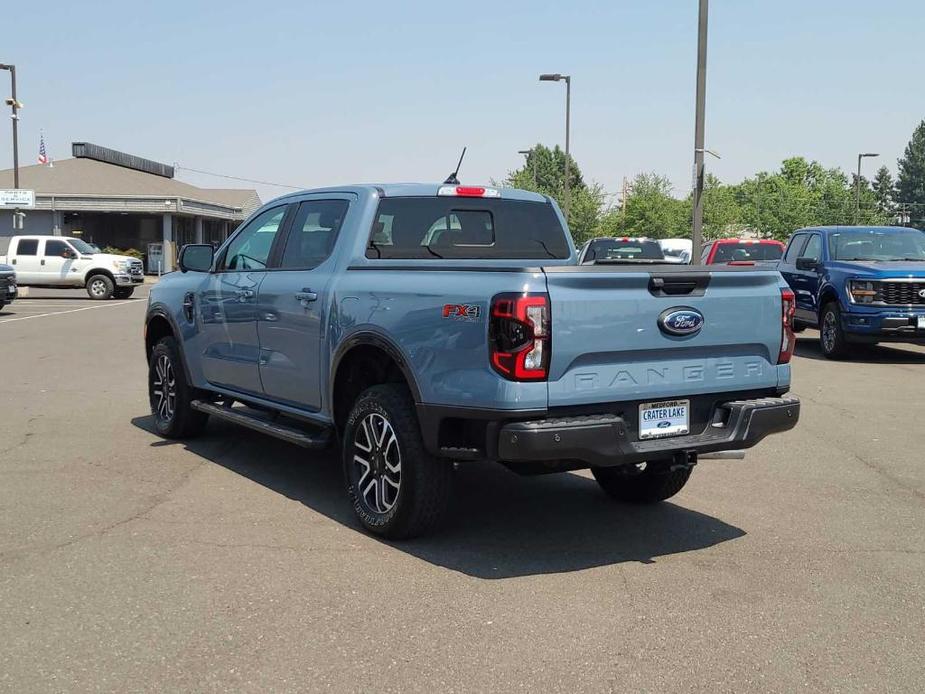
[(520, 336), (787, 338)]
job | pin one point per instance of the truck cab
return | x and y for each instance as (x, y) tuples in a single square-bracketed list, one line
[(858, 284)]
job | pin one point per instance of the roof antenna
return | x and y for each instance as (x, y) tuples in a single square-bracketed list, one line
[(452, 179)]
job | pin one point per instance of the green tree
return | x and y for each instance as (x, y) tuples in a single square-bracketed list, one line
[(883, 190), (722, 215), (802, 193), (650, 210), (544, 172), (910, 178)]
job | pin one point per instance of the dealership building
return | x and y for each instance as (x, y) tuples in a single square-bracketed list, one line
[(114, 199)]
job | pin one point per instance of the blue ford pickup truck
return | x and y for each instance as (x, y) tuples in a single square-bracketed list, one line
[(416, 326), (858, 285)]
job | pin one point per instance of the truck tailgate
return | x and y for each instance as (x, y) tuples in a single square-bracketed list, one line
[(607, 345)]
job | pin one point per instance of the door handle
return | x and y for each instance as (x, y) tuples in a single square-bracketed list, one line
[(244, 294), (306, 296), (43, 261)]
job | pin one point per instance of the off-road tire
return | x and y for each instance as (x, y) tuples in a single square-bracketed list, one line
[(100, 287), (424, 482), (647, 487), (181, 421), (832, 340), (123, 292)]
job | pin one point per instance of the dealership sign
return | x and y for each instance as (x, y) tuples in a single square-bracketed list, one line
[(24, 199)]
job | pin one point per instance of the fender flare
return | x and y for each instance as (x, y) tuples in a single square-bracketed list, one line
[(373, 338), (158, 311)]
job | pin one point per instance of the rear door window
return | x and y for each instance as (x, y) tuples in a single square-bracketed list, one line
[(27, 247), (313, 232), (466, 228)]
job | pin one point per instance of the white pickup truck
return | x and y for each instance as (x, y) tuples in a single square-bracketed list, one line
[(60, 261)]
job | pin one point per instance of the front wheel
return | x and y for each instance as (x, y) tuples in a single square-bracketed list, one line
[(831, 334), (170, 394), (398, 489), (100, 287), (647, 486)]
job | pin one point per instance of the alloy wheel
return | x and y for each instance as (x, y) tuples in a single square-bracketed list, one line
[(377, 461), (828, 331), (164, 389), (98, 287)]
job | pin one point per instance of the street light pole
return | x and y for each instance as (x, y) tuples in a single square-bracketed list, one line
[(556, 77), (527, 153), (697, 230), (14, 105), (857, 186)]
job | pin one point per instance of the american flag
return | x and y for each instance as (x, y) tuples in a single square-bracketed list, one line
[(43, 156)]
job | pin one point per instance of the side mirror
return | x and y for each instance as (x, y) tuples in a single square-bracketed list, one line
[(68, 254), (196, 257), (807, 264)]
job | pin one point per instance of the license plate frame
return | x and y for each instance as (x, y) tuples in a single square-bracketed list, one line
[(664, 425)]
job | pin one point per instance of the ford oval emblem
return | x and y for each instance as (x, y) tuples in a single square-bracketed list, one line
[(680, 321), (922, 293)]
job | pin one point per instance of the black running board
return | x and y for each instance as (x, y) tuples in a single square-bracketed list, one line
[(265, 424)]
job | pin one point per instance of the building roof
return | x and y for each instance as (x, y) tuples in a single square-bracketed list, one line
[(74, 178)]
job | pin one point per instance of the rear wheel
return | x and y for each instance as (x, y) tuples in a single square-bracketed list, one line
[(100, 287), (123, 292), (831, 335), (397, 488), (170, 394), (647, 486)]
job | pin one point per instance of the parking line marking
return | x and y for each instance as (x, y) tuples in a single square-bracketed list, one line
[(73, 310)]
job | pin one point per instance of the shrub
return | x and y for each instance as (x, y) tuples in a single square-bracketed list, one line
[(130, 252)]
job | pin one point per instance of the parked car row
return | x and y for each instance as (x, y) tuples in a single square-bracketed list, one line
[(857, 285)]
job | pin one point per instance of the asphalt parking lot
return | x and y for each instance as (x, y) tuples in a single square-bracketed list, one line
[(128, 563)]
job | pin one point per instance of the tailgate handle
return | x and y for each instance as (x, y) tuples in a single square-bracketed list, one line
[(679, 285)]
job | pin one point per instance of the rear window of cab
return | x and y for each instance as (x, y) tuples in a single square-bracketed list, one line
[(730, 252), (466, 228)]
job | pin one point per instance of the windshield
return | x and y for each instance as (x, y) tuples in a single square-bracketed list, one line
[(82, 246), (729, 252), (631, 249), (883, 245)]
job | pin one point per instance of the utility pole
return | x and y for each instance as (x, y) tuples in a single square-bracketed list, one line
[(14, 106), (700, 107)]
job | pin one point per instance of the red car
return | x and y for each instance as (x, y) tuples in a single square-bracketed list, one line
[(742, 251)]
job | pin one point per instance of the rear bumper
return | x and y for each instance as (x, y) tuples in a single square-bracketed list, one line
[(607, 440)]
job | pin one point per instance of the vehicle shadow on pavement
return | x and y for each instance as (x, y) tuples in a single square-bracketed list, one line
[(501, 525), (808, 348)]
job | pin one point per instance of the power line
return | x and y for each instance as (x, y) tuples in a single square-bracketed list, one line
[(237, 178)]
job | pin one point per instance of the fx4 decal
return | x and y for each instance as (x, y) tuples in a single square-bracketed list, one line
[(470, 312)]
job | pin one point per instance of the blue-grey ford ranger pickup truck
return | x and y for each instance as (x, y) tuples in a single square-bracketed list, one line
[(417, 326)]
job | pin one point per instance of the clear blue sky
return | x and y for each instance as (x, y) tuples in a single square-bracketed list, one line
[(316, 93)]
